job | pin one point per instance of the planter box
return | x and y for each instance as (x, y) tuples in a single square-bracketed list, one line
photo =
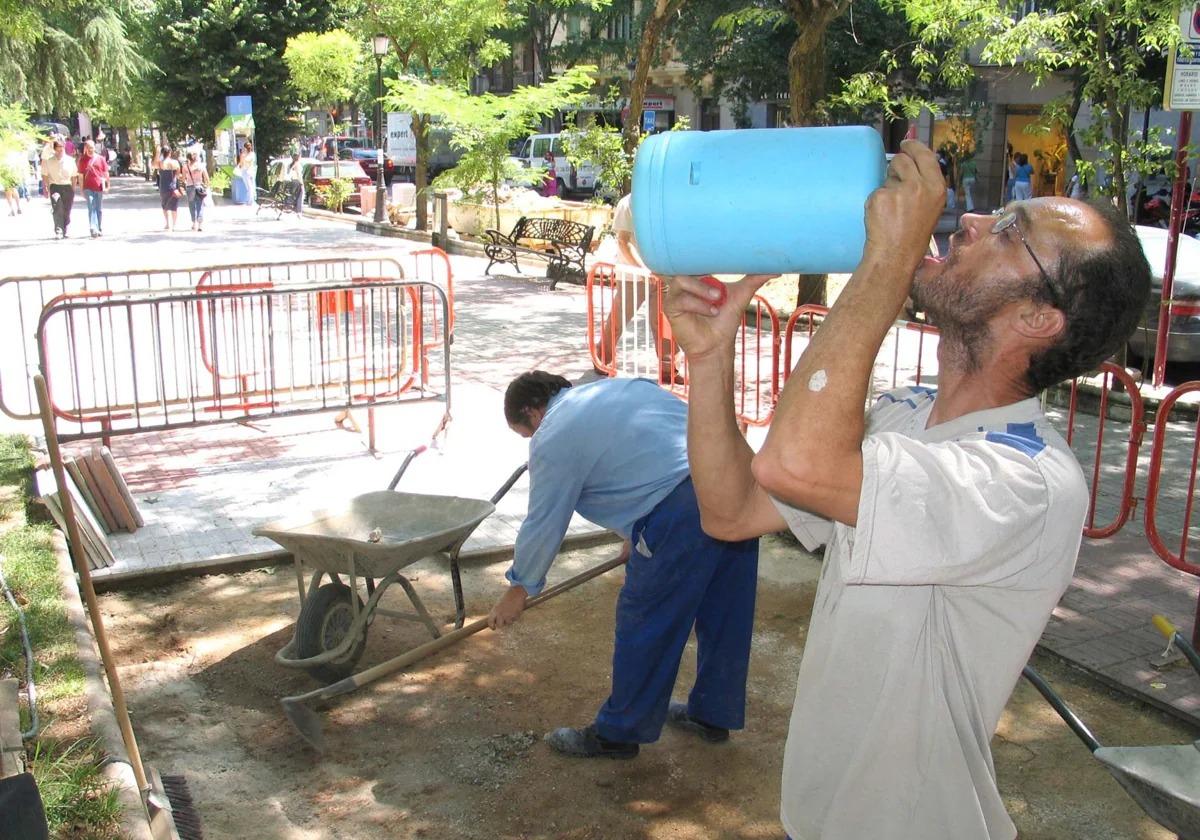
[(471, 219)]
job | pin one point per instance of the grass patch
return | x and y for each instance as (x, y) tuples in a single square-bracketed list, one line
[(32, 573), (77, 798)]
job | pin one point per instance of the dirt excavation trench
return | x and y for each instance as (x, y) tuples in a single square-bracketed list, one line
[(453, 748)]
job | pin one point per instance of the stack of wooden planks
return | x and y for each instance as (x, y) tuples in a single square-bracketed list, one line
[(101, 499)]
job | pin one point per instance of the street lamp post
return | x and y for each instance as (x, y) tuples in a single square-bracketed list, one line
[(379, 45)]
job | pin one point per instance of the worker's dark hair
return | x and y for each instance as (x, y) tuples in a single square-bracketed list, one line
[(1104, 291), (530, 390)]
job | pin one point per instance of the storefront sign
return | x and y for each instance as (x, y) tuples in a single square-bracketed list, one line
[(1182, 89)]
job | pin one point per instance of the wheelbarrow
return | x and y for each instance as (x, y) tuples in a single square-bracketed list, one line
[(1163, 780), (362, 548)]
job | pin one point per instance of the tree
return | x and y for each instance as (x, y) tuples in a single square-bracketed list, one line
[(483, 126), (1108, 50), (656, 15), (542, 22), (442, 41), (209, 49), (323, 69), (58, 56)]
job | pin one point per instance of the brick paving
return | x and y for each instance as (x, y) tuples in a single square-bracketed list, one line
[(202, 491)]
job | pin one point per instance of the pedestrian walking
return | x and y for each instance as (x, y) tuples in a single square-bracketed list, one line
[(59, 175), (93, 171), (634, 479), (169, 188), (968, 170), (952, 518), (13, 169), (195, 180)]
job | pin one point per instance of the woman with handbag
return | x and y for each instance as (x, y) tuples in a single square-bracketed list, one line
[(169, 188), (195, 179)]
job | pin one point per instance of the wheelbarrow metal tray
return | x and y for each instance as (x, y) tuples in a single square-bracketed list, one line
[(412, 526), (1164, 780)]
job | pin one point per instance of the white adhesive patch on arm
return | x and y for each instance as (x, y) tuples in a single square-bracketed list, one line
[(817, 381)]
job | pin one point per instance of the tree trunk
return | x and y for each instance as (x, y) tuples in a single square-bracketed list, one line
[(421, 175), (647, 48), (806, 85)]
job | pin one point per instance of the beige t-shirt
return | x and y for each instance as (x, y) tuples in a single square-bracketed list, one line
[(59, 171), (925, 614)]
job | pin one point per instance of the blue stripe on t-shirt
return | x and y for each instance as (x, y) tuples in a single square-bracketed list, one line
[(1023, 437), (915, 390)]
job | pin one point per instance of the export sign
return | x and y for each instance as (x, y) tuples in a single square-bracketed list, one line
[(401, 143)]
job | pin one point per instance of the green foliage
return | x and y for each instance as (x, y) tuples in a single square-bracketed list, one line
[(16, 135), (221, 178), (1111, 52), (323, 67), (603, 146), (336, 193), (59, 56), (209, 49), (483, 126), (79, 800)]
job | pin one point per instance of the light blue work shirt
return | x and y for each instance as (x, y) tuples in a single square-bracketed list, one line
[(611, 450)]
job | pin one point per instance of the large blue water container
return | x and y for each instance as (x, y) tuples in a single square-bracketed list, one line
[(756, 201)]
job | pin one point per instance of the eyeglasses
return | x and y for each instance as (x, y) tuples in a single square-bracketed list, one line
[(1009, 219)]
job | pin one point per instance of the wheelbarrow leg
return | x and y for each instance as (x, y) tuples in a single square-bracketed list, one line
[(419, 606), (460, 609)]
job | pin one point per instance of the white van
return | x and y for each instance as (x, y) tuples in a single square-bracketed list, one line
[(531, 154)]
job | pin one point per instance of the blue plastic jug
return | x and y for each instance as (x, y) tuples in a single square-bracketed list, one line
[(755, 201)]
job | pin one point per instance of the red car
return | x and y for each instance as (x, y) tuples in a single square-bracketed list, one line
[(320, 174), (356, 148)]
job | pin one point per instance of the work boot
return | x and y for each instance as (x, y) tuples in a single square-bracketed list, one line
[(678, 716), (586, 743)]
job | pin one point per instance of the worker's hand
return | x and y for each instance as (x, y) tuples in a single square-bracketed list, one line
[(509, 608), (700, 321), (902, 214)]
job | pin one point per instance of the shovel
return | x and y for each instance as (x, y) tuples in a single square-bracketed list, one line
[(308, 723)]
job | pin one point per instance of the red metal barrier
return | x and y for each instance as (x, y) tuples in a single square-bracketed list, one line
[(23, 298), (623, 344), (138, 361), (1177, 560), (1127, 502)]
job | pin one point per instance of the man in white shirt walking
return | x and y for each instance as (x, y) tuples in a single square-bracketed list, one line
[(952, 518)]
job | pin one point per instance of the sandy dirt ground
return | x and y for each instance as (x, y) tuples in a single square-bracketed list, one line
[(453, 748)]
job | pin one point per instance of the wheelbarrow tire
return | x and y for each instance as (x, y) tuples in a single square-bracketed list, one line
[(323, 622)]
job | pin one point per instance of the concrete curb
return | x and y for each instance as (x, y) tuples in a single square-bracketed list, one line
[(452, 245), (143, 578), (134, 820)]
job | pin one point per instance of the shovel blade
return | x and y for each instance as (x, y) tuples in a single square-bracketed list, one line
[(306, 721)]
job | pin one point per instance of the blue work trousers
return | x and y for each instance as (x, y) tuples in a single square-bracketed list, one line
[(678, 578)]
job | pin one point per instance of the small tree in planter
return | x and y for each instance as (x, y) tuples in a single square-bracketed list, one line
[(336, 193), (483, 127), (604, 147), (323, 68)]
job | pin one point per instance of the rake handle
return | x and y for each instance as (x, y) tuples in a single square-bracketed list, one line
[(383, 669)]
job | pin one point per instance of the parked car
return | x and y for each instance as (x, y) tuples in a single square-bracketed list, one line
[(1183, 336), (319, 173), (531, 154), (369, 160)]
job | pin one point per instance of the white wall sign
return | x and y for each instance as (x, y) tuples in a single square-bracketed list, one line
[(401, 144), (1182, 89)]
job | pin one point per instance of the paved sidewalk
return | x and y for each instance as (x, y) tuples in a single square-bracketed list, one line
[(202, 491)]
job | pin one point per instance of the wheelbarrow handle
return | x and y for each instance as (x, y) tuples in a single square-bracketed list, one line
[(507, 485), (1164, 626), (404, 466)]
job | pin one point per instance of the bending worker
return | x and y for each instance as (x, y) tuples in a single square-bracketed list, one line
[(952, 517), (615, 451)]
